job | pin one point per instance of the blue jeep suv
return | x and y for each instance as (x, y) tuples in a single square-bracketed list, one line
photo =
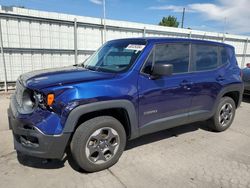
[(126, 89)]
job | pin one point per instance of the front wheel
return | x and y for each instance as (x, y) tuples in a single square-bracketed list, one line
[(224, 115), (98, 143)]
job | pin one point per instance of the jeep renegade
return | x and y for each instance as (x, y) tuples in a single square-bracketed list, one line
[(126, 89)]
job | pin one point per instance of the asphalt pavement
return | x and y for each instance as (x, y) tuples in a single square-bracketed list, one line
[(186, 156)]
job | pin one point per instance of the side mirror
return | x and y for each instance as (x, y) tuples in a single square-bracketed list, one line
[(248, 65), (162, 70)]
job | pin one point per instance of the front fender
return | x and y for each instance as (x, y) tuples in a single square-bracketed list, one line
[(77, 112)]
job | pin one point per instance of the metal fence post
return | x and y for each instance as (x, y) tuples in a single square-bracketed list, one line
[(203, 37), (144, 32), (3, 58), (75, 41), (104, 21), (103, 31), (190, 35), (244, 53), (223, 38)]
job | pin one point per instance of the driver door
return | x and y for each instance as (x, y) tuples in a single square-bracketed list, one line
[(164, 102)]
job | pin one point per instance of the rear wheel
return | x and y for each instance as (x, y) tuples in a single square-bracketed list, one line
[(224, 115), (98, 143)]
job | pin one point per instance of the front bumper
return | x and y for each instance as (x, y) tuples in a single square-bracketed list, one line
[(29, 140)]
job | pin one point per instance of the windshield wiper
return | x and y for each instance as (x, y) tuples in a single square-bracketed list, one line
[(93, 68)]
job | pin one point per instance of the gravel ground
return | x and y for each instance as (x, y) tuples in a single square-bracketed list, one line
[(187, 156)]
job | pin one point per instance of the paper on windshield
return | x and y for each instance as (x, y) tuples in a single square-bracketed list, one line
[(137, 47)]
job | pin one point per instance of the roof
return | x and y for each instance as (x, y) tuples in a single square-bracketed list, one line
[(169, 39)]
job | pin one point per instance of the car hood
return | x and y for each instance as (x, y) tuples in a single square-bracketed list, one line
[(61, 76)]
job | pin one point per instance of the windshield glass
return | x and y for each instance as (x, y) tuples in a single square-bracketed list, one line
[(115, 56)]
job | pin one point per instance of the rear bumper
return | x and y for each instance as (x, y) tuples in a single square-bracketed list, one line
[(29, 140)]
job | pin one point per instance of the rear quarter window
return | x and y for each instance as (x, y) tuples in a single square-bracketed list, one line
[(225, 55)]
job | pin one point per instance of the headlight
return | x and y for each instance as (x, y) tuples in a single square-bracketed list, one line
[(43, 101), (30, 101)]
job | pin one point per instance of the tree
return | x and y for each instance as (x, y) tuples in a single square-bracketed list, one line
[(169, 21)]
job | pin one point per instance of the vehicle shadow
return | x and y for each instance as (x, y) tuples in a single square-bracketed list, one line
[(35, 162), (147, 139), (39, 163), (246, 98), (165, 134)]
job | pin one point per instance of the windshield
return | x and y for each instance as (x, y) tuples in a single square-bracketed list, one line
[(115, 56)]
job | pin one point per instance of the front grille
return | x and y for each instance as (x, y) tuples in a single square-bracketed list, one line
[(19, 93)]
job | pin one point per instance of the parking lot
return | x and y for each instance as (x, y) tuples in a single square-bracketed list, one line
[(187, 156)]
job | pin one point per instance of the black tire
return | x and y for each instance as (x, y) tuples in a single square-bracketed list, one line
[(82, 138), (216, 122)]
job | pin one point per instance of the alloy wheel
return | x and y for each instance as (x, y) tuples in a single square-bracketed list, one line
[(102, 145), (226, 114)]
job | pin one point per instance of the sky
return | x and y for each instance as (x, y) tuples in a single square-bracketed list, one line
[(229, 16)]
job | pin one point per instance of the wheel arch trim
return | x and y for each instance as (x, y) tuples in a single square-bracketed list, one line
[(228, 89), (76, 113)]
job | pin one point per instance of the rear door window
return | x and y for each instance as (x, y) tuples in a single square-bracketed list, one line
[(204, 57)]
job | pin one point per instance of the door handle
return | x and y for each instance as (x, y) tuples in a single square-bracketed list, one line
[(220, 78), (186, 83)]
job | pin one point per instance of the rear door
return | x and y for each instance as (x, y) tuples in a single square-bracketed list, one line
[(207, 78)]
